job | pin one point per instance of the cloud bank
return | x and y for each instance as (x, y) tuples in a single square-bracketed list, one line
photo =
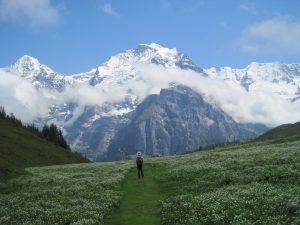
[(20, 97), (245, 107), (36, 12), (275, 36)]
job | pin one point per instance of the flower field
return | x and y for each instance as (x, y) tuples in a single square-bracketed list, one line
[(249, 183), (253, 183), (81, 194)]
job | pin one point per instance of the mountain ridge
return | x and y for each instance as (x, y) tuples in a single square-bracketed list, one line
[(120, 68), (118, 86), (263, 75), (174, 121)]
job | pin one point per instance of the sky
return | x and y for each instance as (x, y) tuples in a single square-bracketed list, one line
[(73, 36)]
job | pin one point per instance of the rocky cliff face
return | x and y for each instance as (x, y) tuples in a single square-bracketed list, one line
[(176, 120)]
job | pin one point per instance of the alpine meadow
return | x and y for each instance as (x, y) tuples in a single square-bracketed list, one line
[(158, 112), (245, 183)]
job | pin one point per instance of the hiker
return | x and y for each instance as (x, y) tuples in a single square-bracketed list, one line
[(139, 164)]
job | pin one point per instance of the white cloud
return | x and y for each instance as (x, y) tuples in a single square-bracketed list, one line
[(36, 12), (245, 107), (276, 36), (108, 9), (21, 98)]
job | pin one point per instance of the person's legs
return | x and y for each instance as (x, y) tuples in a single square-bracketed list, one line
[(142, 172), (139, 172)]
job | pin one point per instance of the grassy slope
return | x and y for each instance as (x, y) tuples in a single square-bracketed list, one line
[(251, 183), (19, 148), (282, 131)]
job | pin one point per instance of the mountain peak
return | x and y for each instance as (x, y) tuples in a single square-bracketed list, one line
[(155, 46), (124, 62), (26, 66), (40, 75), (25, 59), (159, 50), (152, 45)]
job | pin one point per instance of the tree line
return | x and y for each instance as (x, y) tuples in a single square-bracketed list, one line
[(50, 132)]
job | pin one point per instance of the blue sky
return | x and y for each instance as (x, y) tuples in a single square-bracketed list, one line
[(73, 36)]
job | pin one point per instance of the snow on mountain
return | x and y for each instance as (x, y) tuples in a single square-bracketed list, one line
[(120, 71), (152, 53), (93, 105), (171, 122), (274, 78), (41, 76), (121, 68), (116, 71)]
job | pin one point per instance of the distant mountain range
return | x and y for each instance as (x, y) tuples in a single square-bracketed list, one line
[(277, 78), (131, 102)]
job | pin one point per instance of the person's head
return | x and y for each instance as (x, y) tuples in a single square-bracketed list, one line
[(138, 154)]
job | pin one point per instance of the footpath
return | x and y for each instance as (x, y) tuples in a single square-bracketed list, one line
[(140, 202)]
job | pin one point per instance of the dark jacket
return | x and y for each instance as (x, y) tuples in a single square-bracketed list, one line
[(139, 161)]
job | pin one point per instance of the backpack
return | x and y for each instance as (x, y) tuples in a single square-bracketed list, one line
[(139, 161)]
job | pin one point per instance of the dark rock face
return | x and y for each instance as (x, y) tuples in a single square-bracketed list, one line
[(93, 136), (176, 120)]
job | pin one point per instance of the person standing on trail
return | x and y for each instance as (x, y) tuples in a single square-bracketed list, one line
[(139, 164)]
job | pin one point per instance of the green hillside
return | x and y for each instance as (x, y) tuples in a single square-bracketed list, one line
[(250, 183), (245, 183), (21, 148), (282, 131)]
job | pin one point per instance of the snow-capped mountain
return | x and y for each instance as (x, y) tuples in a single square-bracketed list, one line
[(278, 78), (175, 120), (124, 63), (41, 76), (96, 105), (121, 68)]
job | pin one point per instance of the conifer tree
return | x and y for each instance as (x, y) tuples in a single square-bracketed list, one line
[(2, 113), (49, 132)]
